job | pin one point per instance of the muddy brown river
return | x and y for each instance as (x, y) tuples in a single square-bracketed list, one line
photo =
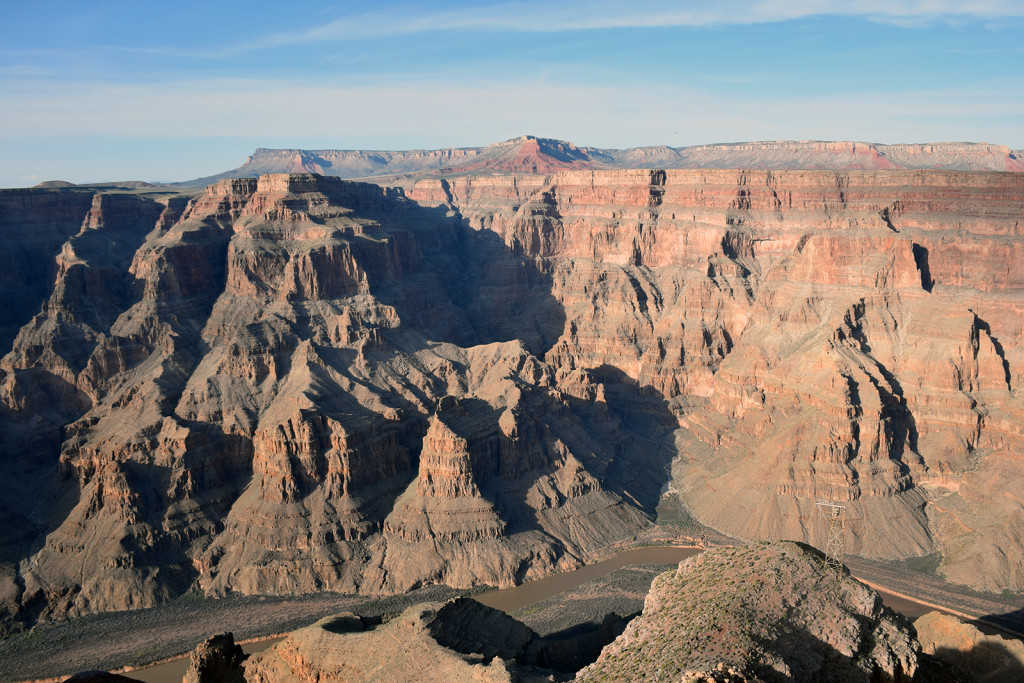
[(517, 597)]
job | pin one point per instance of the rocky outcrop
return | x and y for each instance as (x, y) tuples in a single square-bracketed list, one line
[(462, 639), (405, 648), (216, 660), (764, 612), (769, 612), (962, 646)]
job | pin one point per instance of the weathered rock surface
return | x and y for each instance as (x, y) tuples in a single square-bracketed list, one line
[(216, 660), (770, 612), (407, 648), (983, 657), (297, 383)]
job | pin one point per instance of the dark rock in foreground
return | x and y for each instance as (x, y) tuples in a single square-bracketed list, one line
[(770, 612), (217, 660), (764, 612), (963, 647)]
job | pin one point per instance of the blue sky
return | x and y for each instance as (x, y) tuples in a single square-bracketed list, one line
[(169, 91)]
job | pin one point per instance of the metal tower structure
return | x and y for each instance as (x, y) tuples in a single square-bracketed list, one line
[(835, 515)]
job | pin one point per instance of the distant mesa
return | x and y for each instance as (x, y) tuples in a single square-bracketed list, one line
[(131, 183), (532, 154), (128, 184)]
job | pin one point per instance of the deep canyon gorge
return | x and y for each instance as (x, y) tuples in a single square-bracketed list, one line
[(295, 383)]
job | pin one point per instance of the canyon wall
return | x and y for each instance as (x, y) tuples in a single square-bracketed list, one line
[(297, 383), (853, 336)]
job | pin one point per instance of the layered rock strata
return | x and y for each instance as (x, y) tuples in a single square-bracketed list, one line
[(531, 154), (296, 383), (849, 336), (299, 385)]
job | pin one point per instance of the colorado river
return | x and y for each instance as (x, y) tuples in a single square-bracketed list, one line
[(517, 597), (174, 670)]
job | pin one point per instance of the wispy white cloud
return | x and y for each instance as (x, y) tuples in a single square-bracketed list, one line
[(544, 16), (100, 131), (582, 16), (433, 113)]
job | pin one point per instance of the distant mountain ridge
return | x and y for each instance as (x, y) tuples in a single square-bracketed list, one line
[(531, 154)]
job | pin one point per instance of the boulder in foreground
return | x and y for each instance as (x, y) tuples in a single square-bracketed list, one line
[(769, 612), (986, 658)]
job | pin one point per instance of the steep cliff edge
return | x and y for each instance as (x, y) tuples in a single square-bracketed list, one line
[(34, 223), (298, 383), (855, 336)]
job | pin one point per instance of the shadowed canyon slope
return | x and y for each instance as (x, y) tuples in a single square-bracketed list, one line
[(299, 383)]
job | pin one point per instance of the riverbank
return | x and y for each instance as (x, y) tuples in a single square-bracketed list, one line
[(1002, 615)]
